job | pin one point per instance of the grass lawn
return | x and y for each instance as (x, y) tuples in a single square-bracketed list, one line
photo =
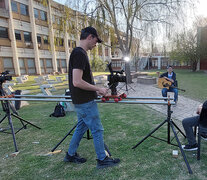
[(124, 126)]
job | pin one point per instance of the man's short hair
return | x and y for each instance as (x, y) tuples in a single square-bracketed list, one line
[(169, 66), (87, 31)]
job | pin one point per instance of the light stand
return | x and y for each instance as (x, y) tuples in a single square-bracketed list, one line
[(7, 107), (170, 124)]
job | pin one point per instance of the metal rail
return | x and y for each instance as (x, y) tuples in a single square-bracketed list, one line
[(98, 101), (99, 97)]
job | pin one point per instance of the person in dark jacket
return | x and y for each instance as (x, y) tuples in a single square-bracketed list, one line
[(170, 76), (189, 123)]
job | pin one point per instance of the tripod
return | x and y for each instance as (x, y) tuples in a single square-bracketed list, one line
[(170, 124), (87, 137), (126, 85), (10, 111)]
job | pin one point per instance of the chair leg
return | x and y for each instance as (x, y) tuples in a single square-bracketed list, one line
[(199, 144), (195, 130)]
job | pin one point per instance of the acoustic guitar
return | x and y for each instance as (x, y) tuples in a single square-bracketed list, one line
[(164, 83)]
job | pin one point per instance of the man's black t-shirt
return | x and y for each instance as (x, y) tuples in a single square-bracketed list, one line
[(79, 60)]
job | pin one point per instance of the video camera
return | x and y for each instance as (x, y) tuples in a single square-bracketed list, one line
[(4, 77), (114, 79)]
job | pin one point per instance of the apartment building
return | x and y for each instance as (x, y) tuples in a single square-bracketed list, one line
[(31, 41)]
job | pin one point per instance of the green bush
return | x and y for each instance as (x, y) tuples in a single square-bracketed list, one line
[(98, 65)]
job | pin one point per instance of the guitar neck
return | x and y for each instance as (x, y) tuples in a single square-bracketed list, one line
[(178, 88)]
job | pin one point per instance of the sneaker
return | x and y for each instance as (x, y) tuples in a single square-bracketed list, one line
[(189, 147), (107, 162), (75, 159), (204, 137)]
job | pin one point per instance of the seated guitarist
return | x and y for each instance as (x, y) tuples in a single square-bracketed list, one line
[(170, 76)]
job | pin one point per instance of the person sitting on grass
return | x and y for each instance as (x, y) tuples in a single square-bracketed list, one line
[(189, 123)]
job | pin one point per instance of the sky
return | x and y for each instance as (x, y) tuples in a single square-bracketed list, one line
[(202, 8)]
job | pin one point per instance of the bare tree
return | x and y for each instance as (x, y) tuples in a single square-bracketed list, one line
[(188, 46), (129, 19)]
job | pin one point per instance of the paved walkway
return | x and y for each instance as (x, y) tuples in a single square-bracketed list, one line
[(185, 107)]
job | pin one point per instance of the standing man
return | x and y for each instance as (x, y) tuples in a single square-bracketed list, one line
[(83, 92), (170, 76)]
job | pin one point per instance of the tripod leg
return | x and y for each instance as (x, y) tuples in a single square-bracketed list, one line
[(178, 129), (24, 121), (3, 118), (64, 138), (181, 149), (13, 133), (107, 149), (149, 134)]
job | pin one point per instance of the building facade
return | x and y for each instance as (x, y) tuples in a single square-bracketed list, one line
[(31, 41)]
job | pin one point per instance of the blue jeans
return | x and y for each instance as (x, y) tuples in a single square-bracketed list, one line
[(188, 124), (175, 90), (88, 118)]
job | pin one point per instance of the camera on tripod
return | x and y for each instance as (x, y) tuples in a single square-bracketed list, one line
[(4, 77), (114, 79)]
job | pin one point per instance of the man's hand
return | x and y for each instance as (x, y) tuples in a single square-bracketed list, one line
[(171, 80), (102, 91), (199, 109)]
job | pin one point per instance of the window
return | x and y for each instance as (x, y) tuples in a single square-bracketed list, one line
[(24, 9), (36, 13), (43, 15), (14, 6), (53, 18), (39, 41), (27, 37), (4, 32), (61, 42), (73, 44), (45, 39), (49, 65), (8, 65), (18, 35), (31, 66), (63, 62), (2, 4)]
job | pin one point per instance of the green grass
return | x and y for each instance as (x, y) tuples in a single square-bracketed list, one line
[(124, 126)]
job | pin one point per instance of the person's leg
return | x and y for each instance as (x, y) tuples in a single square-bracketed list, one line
[(81, 128), (175, 90), (93, 122), (77, 136), (188, 124), (164, 92)]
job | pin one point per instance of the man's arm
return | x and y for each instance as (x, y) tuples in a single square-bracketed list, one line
[(80, 83), (164, 75)]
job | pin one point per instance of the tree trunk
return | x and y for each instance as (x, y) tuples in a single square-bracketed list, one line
[(128, 73)]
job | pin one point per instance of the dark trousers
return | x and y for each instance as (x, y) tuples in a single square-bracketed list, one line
[(188, 124)]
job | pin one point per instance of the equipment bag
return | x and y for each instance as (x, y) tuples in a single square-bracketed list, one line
[(58, 111)]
